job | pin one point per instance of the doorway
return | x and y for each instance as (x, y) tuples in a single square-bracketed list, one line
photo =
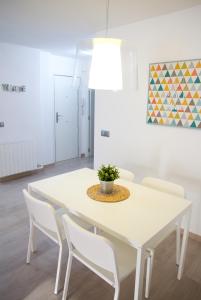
[(66, 117)]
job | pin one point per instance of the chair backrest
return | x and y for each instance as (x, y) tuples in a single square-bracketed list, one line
[(41, 212), (125, 174), (95, 248), (164, 186)]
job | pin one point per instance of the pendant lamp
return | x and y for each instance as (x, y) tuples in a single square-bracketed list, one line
[(106, 65)]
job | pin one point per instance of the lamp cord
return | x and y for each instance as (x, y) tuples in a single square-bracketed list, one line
[(107, 17)]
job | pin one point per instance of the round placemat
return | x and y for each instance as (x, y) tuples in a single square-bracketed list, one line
[(119, 193)]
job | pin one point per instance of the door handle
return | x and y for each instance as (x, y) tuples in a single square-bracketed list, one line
[(57, 117)]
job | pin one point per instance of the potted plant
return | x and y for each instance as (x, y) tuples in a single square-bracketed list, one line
[(107, 174)]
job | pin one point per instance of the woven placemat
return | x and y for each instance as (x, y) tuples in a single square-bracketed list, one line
[(119, 193)]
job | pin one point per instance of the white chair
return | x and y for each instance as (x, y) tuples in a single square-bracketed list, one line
[(125, 174), (107, 256), (164, 186), (77, 219), (173, 189), (45, 218)]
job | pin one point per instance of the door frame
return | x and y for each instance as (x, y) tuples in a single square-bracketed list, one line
[(91, 121), (78, 113)]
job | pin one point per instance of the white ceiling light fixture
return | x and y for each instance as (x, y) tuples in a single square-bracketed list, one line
[(106, 65)]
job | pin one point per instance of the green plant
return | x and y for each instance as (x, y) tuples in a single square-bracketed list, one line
[(108, 173)]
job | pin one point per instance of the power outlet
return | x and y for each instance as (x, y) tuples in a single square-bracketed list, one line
[(1, 124)]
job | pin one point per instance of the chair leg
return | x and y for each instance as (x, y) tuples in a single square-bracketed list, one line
[(58, 270), (68, 270), (95, 230), (116, 294), (30, 243), (150, 261), (178, 242), (33, 240)]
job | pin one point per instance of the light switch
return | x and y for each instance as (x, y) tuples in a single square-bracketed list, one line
[(105, 133)]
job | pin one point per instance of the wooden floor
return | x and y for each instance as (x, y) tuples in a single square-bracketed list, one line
[(36, 281)]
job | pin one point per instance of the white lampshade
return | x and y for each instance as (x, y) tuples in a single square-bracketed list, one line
[(106, 66)]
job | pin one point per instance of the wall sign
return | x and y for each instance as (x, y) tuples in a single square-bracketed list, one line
[(6, 87), (174, 96)]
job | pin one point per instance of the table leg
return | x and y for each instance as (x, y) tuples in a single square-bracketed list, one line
[(178, 241), (184, 245), (139, 274)]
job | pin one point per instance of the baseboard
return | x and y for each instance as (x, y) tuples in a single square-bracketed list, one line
[(195, 237), (49, 165), (20, 175)]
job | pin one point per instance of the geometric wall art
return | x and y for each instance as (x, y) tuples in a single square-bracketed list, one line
[(174, 96)]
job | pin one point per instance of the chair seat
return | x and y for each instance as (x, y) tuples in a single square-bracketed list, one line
[(58, 214), (126, 259), (53, 234), (75, 217)]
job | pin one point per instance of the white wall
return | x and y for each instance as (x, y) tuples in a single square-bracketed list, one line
[(30, 115), (19, 111), (84, 107), (46, 109), (168, 152)]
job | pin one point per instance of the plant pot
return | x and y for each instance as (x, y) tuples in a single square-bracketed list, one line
[(106, 186)]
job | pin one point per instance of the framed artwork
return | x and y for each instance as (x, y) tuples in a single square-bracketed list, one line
[(174, 95)]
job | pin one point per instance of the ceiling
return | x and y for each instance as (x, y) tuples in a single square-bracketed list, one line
[(56, 25)]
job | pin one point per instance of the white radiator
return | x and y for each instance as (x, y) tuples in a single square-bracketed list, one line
[(17, 157)]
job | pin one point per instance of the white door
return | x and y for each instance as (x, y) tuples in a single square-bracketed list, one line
[(66, 118)]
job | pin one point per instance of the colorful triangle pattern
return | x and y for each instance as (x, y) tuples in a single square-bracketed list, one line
[(174, 96)]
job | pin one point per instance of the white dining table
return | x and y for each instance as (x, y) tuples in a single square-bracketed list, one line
[(138, 221)]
